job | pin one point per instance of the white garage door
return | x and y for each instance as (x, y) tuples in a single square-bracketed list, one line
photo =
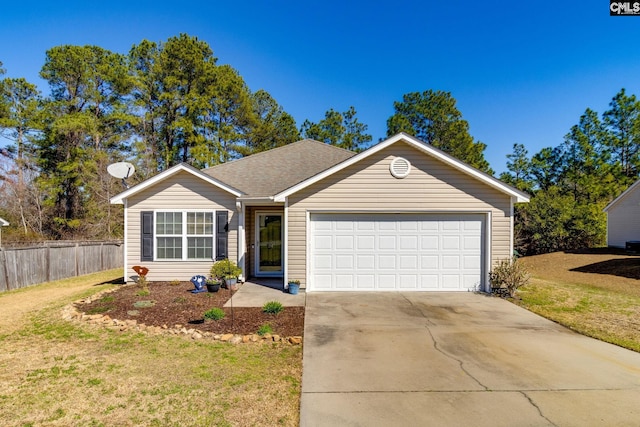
[(408, 252)]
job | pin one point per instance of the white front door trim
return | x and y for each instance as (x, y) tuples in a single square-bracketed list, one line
[(258, 271)]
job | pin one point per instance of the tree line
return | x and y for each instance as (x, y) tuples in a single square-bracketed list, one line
[(158, 105), (168, 102), (573, 182)]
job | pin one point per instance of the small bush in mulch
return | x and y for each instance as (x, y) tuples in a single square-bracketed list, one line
[(176, 305), (215, 313), (265, 329), (272, 307)]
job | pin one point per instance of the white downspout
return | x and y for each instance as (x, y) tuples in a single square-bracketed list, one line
[(242, 242), (126, 240), (285, 261)]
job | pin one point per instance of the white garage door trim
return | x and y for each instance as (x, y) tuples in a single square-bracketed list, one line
[(376, 251)]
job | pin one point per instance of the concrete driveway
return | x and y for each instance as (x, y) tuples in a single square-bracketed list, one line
[(456, 359)]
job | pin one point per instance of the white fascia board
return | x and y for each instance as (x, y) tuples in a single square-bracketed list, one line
[(182, 167), (3, 222), (517, 196), (622, 196)]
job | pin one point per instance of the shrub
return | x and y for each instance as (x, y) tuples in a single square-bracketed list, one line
[(272, 307), (215, 313), (225, 269), (509, 274), (265, 329)]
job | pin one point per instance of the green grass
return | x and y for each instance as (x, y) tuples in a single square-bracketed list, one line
[(55, 372), (606, 314)]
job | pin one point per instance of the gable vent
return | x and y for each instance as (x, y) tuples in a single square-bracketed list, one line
[(400, 167)]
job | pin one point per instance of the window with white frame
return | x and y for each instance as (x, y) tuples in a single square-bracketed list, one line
[(184, 235)]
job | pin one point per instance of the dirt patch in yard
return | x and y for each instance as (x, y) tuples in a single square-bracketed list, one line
[(169, 304), (608, 269)]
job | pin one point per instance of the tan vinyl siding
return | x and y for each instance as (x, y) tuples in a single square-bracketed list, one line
[(623, 219), (432, 186), (182, 192)]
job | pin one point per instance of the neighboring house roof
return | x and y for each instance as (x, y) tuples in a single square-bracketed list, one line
[(270, 172), (182, 167), (516, 194), (622, 196)]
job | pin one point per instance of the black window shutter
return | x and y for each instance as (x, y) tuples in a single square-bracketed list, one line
[(222, 239), (146, 239)]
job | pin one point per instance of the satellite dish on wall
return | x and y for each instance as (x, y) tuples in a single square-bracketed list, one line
[(121, 170)]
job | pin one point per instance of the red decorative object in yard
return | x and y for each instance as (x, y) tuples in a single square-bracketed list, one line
[(142, 271)]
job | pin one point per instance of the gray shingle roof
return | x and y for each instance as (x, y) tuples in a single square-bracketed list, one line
[(270, 172)]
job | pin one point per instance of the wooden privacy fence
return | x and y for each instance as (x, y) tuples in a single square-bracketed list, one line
[(22, 267)]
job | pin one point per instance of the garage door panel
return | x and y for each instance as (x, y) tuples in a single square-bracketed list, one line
[(408, 225), (450, 262), (322, 281), (366, 262), (429, 262), (429, 281), (344, 262), (471, 262), (387, 225), (408, 281), (471, 243), (387, 243), (387, 281), (429, 243), (450, 243), (323, 242), (387, 262), (396, 251), (408, 262), (451, 281), (366, 243), (344, 226), (344, 243), (323, 262), (365, 281), (408, 243), (365, 225), (344, 281)]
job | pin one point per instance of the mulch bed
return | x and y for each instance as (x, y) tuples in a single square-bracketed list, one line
[(174, 304)]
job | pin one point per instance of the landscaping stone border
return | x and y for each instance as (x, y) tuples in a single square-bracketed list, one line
[(71, 313)]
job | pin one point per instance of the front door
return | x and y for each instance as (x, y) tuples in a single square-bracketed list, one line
[(268, 244)]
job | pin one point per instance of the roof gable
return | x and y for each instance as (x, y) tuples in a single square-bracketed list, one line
[(516, 195), (273, 171), (632, 188), (182, 167)]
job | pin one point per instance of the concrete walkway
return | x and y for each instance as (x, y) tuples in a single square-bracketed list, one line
[(456, 359), (256, 292)]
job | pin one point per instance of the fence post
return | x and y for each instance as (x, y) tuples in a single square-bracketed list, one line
[(4, 266), (48, 261)]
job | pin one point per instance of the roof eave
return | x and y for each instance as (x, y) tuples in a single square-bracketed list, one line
[(516, 195), (119, 198), (624, 194)]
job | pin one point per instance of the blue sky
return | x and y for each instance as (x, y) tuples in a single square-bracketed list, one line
[(521, 72)]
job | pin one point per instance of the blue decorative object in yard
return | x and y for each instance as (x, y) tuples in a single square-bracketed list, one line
[(293, 287), (198, 281)]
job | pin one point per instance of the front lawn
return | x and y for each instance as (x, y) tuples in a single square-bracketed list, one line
[(59, 373), (596, 293)]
